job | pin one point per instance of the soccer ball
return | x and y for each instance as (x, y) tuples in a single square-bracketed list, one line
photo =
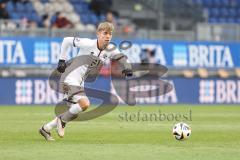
[(181, 131)]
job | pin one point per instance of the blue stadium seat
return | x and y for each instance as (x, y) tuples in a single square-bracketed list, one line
[(225, 3), (217, 3), (238, 11), (237, 20), (94, 19), (85, 6), (208, 3), (84, 19), (78, 7), (224, 12), (14, 16), (10, 7), (53, 19), (20, 7), (213, 20), (29, 7), (102, 17), (75, 1), (44, 1), (231, 20), (237, 3), (222, 20), (35, 17), (232, 12), (214, 12)]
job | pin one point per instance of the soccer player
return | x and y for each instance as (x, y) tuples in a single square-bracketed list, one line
[(74, 81)]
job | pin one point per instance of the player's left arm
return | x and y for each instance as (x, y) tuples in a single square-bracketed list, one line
[(122, 59)]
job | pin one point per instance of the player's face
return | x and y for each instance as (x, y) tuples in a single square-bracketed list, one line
[(104, 37)]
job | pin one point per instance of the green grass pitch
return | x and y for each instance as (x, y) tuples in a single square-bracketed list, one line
[(215, 135)]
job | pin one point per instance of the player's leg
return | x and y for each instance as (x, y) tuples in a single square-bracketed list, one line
[(46, 129), (45, 134), (50, 125), (81, 105)]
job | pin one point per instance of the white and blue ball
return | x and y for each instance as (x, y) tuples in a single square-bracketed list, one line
[(181, 131)]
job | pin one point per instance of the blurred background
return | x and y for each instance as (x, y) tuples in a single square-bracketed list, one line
[(197, 40)]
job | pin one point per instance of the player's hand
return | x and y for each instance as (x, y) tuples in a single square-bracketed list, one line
[(128, 73), (61, 66)]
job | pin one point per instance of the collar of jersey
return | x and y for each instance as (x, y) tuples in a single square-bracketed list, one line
[(99, 48)]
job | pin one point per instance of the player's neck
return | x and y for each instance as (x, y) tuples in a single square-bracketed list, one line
[(100, 45)]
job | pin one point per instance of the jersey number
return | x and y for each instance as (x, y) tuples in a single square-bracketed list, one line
[(95, 63)]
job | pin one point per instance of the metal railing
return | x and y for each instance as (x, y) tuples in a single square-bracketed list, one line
[(202, 32), (218, 32)]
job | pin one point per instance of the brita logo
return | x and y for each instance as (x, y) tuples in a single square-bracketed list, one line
[(202, 56)]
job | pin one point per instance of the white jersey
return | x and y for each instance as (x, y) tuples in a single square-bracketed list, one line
[(87, 47)]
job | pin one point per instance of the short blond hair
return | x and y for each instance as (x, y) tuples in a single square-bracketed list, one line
[(105, 26)]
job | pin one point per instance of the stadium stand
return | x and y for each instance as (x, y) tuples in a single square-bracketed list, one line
[(221, 11), (81, 13), (196, 20)]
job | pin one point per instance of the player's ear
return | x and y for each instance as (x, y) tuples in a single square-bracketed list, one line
[(97, 33)]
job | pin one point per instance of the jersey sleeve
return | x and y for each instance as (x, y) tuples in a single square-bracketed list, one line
[(73, 42), (81, 42), (66, 43)]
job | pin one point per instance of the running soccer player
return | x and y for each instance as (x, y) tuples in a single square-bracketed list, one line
[(74, 81)]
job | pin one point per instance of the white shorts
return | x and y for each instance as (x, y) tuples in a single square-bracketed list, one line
[(73, 93)]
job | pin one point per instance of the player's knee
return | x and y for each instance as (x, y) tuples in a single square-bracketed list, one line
[(84, 103)]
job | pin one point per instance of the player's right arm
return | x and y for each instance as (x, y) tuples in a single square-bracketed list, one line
[(67, 42)]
